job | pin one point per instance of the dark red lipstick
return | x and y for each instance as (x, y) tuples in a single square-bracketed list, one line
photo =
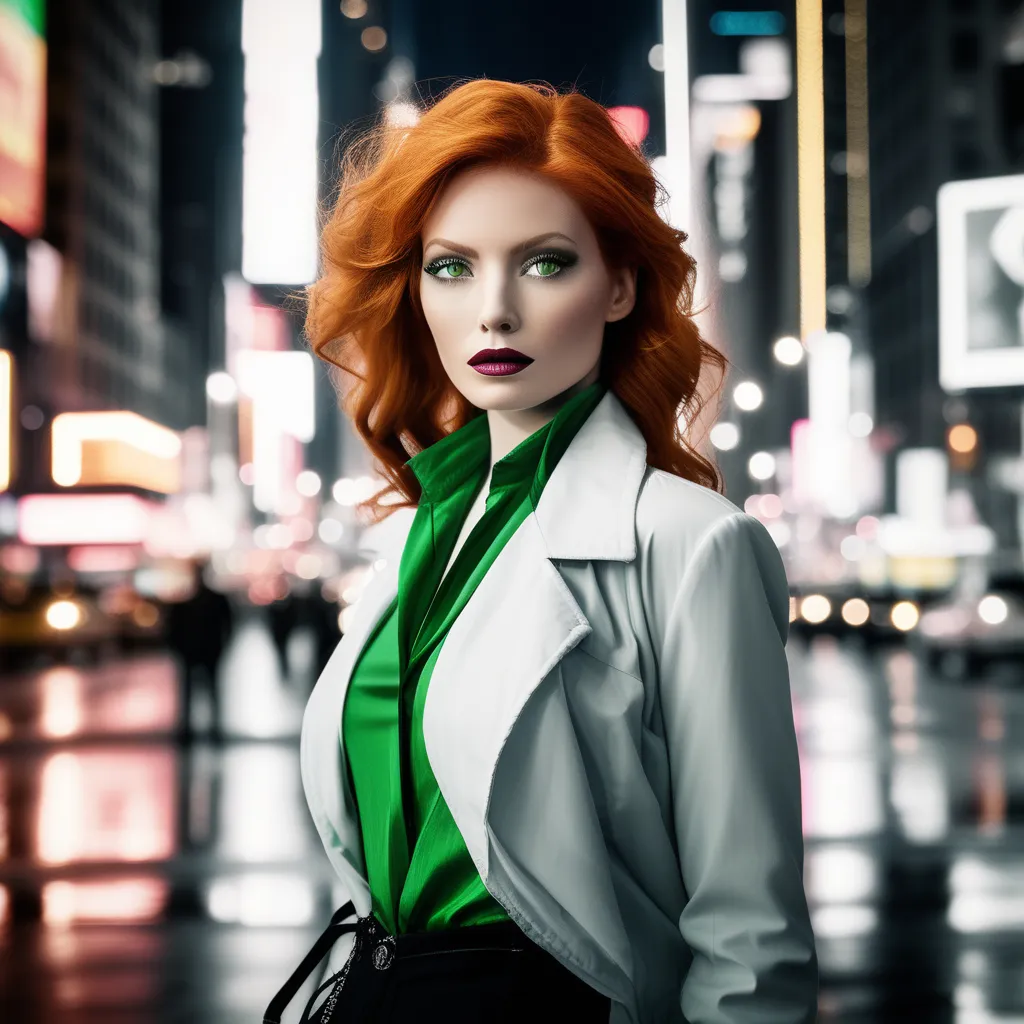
[(499, 362)]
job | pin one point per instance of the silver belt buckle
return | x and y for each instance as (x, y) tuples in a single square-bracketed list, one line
[(384, 954), (383, 949)]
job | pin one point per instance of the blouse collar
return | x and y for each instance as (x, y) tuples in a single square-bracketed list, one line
[(451, 462)]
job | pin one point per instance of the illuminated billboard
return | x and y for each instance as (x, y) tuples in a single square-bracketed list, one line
[(280, 386), (981, 283), (84, 519), (22, 114), (279, 145), (115, 448)]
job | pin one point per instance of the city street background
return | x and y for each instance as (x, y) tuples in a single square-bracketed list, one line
[(181, 543)]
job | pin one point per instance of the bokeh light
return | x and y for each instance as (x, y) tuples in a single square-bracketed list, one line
[(748, 396), (993, 609), (63, 615), (789, 351), (963, 438), (374, 38), (905, 615), (761, 465), (307, 483), (725, 436), (815, 608), (855, 611), (221, 388)]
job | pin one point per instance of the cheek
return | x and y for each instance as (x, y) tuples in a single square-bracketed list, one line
[(450, 317), (574, 310)]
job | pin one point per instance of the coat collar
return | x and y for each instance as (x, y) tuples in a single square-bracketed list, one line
[(587, 509), (485, 672)]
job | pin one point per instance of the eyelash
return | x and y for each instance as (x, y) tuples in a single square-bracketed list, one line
[(563, 260)]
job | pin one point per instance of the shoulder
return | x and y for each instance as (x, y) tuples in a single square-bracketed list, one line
[(674, 515), (686, 531)]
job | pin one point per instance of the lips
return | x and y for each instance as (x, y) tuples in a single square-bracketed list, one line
[(501, 356)]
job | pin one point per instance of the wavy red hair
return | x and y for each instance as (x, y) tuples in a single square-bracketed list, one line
[(364, 314)]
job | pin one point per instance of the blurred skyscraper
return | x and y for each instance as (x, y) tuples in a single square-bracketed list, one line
[(959, 114), (143, 160), (201, 100), (103, 211), (744, 135)]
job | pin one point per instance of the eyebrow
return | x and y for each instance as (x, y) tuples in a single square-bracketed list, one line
[(465, 250)]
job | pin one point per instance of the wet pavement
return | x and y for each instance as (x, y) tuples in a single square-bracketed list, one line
[(144, 882), (913, 798)]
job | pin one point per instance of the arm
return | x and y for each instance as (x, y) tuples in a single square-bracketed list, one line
[(736, 783)]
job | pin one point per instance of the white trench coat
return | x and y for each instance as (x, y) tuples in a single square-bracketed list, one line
[(610, 722)]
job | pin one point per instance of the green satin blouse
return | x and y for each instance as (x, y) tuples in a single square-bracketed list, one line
[(420, 873)]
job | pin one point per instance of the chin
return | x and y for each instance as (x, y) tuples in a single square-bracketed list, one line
[(509, 394), (500, 395)]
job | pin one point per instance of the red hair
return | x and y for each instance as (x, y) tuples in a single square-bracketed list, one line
[(364, 314)]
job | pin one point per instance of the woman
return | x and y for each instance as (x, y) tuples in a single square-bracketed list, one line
[(556, 743)]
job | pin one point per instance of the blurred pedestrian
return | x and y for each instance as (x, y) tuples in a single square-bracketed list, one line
[(320, 616), (198, 629), (283, 616)]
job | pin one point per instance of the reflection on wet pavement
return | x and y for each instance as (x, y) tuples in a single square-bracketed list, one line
[(133, 696), (914, 847), (146, 881)]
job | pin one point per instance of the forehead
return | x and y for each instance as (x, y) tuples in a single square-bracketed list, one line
[(501, 203)]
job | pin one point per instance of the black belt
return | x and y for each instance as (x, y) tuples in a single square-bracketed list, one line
[(370, 935)]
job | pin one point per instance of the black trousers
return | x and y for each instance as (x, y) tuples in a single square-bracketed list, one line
[(484, 974)]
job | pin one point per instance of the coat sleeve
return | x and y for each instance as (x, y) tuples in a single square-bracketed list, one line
[(735, 775)]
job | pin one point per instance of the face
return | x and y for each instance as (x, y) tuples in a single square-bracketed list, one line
[(511, 263)]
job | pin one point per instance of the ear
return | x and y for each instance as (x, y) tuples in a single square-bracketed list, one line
[(623, 293)]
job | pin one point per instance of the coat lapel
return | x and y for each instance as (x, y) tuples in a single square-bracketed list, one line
[(522, 620), (518, 624)]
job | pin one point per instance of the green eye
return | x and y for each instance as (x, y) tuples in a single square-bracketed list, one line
[(548, 265), (448, 270)]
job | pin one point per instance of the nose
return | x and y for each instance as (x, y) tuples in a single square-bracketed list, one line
[(504, 327), (499, 315)]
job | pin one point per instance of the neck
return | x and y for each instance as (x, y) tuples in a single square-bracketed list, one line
[(510, 427)]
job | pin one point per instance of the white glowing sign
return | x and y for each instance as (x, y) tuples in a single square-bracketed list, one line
[(825, 442), (281, 43), (83, 519), (281, 386), (981, 283)]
